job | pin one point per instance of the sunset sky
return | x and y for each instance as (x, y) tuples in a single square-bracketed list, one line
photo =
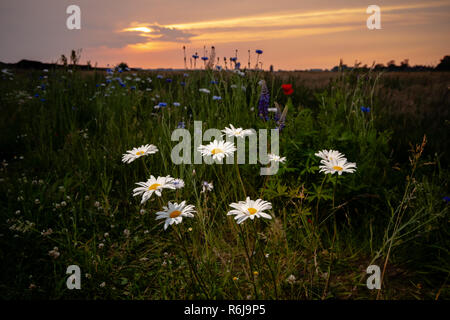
[(293, 34)]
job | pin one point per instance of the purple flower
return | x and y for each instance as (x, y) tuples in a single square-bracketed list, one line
[(181, 125), (264, 100), (217, 98)]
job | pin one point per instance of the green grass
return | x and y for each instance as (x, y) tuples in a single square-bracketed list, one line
[(325, 230)]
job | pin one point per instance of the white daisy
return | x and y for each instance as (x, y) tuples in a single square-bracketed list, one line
[(337, 165), (178, 183), (207, 186), (204, 90), (151, 186), (217, 149), (275, 158), (135, 153), (175, 212), (328, 155), (237, 132), (250, 209)]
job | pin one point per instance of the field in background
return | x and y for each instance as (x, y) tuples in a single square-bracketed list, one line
[(63, 185)]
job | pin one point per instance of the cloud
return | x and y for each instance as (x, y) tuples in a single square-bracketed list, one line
[(160, 33)]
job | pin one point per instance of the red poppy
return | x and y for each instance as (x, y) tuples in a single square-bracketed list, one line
[(287, 89), (309, 220)]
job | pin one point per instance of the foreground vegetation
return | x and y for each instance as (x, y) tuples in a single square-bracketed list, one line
[(67, 196)]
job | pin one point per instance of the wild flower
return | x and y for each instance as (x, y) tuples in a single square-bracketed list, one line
[(217, 98), (329, 155), (153, 185), (176, 104), (250, 209), (287, 89), (181, 125), (204, 90), (175, 212), (337, 165), (237, 132), (207, 186), (217, 149), (291, 279), (264, 100), (178, 183), (162, 104), (54, 253), (136, 153), (276, 158), (365, 110)]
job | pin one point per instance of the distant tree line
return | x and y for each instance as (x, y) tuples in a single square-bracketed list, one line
[(444, 65)]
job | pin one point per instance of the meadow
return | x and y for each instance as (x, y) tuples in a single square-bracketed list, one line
[(67, 196)]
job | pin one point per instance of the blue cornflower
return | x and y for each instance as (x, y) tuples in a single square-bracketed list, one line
[(237, 66), (446, 199), (176, 104), (162, 104), (108, 80), (195, 56), (185, 75), (42, 86), (183, 83), (109, 71), (217, 98), (204, 58), (122, 84), (36, 95), (259, 51), (214, 82), (43, 100), (159, 76), (168, 80), (133, 88), (181, 125), (234, 59), (219, 68), (97, 85), (365, 110)]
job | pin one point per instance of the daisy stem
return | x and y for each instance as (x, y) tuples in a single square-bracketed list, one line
[(239, 176), (318, 199), (334, 187), (249, 260), (145, 167), (191, 265)]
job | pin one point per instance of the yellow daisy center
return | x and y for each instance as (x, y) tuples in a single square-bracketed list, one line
[(139, 153), (154, 186), (174, 214), (252, 210), (337, 168), (216, 151)]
